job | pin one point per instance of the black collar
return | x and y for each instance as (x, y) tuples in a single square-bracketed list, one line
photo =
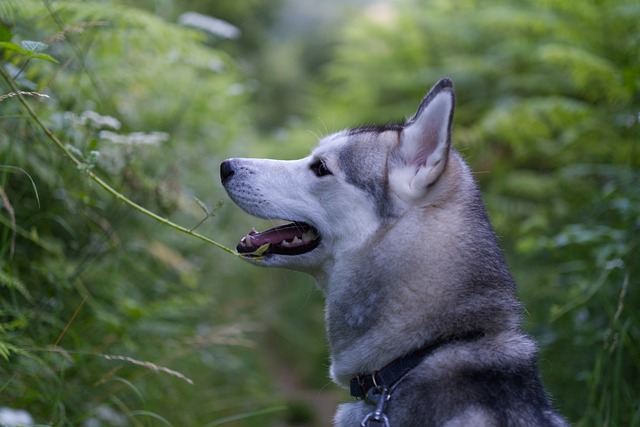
[(389, 375)]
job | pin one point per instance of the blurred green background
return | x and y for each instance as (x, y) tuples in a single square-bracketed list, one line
[(108, 318)]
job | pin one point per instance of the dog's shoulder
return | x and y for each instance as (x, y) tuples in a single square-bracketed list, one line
[(491, 381), (488, 382)]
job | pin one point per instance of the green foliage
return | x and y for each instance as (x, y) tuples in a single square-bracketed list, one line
[(29, 48), (548, 105), (103, 318), (106, 317)]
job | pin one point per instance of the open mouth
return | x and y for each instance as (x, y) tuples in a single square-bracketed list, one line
[(295, 238)]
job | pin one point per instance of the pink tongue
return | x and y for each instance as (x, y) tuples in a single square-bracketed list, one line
[(275, 235)]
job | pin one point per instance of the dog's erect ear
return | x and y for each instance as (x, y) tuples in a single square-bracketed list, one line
[(425, 142)]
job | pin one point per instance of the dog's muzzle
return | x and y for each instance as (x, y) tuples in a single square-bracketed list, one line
[(295, 238)]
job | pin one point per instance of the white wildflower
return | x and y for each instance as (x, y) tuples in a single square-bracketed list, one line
[(215, 26), (14, 417), (135, 138), (73, 150), (236, 89), (216, 65), (112, 160), (98, 121)]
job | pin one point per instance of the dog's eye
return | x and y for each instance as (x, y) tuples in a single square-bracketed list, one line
[(320, 168)]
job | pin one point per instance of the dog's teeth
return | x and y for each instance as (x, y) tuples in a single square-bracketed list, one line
[(246, 240), (308, 236), (295, 242)]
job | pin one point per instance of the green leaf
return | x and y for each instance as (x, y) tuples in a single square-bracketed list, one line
[(9, 281), (33, 184), (5, 33), (14, 47), (219, 205), (257, 255), (7, 349), (27, 52), (202, 205), (45, 57)]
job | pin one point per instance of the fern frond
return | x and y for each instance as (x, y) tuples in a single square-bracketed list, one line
[(6, 350), (592, 75), (12, 9), (523, 122), (13, 282), (142, 26)]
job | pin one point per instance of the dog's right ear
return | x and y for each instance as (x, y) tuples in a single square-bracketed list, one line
[(425, 143)]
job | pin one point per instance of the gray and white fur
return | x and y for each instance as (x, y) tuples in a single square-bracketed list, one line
[(402, 247)]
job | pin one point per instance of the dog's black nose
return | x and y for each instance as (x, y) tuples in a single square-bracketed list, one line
[(226, 170)]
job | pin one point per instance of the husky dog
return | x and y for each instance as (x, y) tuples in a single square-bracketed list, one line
[(422, 318)]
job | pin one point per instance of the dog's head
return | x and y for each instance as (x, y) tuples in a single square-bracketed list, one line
[(353, 184)]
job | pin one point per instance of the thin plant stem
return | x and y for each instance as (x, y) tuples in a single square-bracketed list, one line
[(50, 135)]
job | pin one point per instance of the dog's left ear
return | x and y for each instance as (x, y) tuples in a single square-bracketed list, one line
[(425, 142)]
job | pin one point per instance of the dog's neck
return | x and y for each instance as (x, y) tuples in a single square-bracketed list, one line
[(372, 321), (391, 374)]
